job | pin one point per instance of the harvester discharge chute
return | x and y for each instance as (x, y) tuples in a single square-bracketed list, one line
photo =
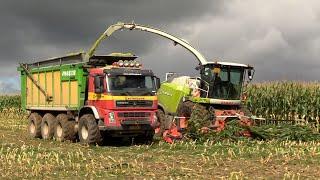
[(218, 90)]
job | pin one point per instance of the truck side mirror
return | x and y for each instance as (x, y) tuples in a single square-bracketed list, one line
[(158, 83), (98, 84)]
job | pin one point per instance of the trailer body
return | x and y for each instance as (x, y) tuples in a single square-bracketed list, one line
[(65, 83)]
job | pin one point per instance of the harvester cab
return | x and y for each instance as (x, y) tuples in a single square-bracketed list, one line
[(224, 80), (218, 92)]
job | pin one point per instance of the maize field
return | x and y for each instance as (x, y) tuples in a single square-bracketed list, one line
[(22, 157), (285, 100), (10, 107)]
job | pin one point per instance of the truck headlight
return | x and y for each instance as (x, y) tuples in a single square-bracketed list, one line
[(155, 118), (111, 117)]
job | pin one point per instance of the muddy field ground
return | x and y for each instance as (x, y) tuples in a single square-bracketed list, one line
[(23, 157)]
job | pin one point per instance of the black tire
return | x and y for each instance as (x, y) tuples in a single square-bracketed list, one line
[(88, 131), (185, 109), (146, 138), (65, 129), (34, 127), (197, 114), (162, 121), (48, 125)]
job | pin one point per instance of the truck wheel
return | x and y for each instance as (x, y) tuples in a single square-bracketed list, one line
[(47, 126), (65, 129), (146, 138), (88, 131), (34, 128)]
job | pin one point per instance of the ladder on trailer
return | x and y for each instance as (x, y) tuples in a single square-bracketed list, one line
[(29, 74)]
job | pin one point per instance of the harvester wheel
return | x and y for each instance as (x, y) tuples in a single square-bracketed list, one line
[(88, 131), (47, 126), (198, 115), (65, 129), (162, 123), (34, 128), (185, 109)]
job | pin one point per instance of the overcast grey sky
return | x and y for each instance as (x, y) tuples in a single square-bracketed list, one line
[(281, 38)]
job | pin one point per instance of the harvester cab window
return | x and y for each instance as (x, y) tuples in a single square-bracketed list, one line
[(225, 81)]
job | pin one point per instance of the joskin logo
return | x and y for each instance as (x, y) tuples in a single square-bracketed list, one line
[(68, 74)]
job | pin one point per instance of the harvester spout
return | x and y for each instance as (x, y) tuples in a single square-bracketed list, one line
[(132, 26), (110, 30)]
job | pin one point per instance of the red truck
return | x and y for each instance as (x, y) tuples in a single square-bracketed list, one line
[(92, 98)]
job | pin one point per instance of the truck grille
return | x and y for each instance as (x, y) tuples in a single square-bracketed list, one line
[(134, 103), (133, 114), (130, 118)]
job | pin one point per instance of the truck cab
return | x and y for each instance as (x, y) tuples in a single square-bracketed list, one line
[(124, 96)]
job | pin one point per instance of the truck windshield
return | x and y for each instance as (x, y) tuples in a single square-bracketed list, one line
[(135, 85), (227, 84)]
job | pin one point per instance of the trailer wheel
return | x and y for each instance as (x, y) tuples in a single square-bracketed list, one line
[(47, 126), (34, 128), (88, 131), (65, 129)]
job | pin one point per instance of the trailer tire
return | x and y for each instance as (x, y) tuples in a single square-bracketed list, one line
[(48, 125), (88, 131), (65, 129), (34, 127)]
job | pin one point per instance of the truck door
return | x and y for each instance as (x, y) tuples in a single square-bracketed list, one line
[(99, 90)]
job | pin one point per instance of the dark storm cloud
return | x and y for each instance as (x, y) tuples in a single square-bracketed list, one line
[(74, 22), (37, 28), (281, 38)]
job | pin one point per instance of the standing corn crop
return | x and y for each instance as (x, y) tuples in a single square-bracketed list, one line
[(285, 100)]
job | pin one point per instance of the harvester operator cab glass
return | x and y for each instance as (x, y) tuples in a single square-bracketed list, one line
[(225, 82), (136, 85)]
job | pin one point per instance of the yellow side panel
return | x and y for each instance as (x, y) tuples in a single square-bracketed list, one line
[(49, 85), (74, 93), (42, 83), (57, 89), (65, 93), (29, 91), (35, 91)]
